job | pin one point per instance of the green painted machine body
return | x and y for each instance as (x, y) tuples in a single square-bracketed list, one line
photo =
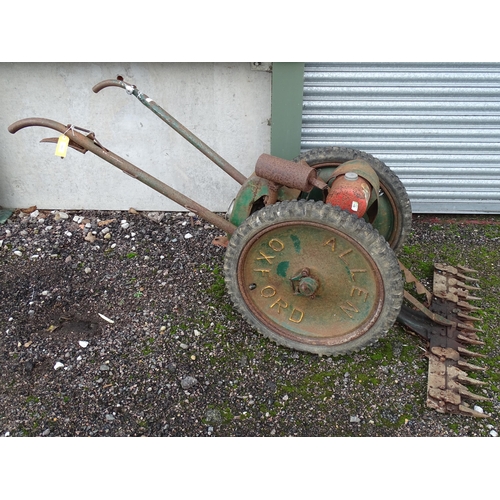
[(252, 193), (251, 197)]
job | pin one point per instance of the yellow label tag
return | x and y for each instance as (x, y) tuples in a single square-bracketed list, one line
[(62, 146)]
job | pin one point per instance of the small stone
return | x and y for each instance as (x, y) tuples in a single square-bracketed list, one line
[(354, 419), (125, 225), (478, 409), (183, 346), (107, 236), (188, 382), (18, 253), (88, 270), (109, 417), (493, 433), (58, 365), (188, 236), (83, 343), (69, 234), (104, 367), (213, 416), (61, 215), (34, 214), (46, 432)]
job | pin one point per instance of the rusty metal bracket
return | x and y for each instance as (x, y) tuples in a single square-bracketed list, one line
[(72, 144)]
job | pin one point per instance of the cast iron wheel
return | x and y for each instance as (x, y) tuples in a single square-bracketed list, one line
[(393, 220), (314, 278)]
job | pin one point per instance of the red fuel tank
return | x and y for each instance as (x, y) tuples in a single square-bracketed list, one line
[(351, 193)]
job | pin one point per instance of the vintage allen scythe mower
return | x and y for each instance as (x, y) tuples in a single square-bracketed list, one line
[(311, 255)]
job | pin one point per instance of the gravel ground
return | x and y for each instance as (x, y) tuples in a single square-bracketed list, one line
[(118, 324)]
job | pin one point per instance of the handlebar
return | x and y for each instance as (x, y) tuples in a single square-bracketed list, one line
[(38, 122), (119, 82)]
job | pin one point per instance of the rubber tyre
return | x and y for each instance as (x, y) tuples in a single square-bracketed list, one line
[(299, 217), (390, 186)]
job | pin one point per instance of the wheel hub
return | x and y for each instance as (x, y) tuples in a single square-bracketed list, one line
[(304, 284)]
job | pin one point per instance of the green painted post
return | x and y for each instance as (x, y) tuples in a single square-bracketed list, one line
[(286, 109)]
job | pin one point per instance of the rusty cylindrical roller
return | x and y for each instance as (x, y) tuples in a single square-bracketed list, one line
[(288, 173)]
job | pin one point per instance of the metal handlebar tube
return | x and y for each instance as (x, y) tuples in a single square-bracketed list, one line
[(178, 127), (88, 143)]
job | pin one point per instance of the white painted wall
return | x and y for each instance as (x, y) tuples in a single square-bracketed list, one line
[(227, 105)]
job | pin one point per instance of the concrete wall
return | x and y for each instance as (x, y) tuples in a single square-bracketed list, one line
[(226, 105)]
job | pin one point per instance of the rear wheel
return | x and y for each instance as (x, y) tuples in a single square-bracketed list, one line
[(393, 220), (312, 277)]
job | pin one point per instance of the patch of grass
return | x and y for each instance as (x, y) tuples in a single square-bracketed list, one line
[(218, 289), (419, 260), (224, 411), (383, 352)]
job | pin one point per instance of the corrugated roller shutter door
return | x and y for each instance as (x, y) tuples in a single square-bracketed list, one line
[(436, 125)]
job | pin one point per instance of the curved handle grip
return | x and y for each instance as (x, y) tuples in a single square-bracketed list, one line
[(38, 122), (119, 82)]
